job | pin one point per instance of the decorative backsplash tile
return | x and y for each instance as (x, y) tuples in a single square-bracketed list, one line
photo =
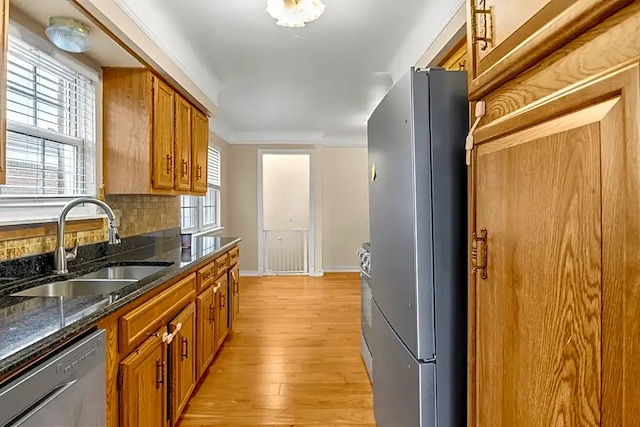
[(136, 214), (140, 214)]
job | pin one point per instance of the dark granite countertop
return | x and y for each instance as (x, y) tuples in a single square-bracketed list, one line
[(30, 327)]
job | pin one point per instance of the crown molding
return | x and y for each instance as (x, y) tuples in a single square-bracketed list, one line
[(277, 137), (453, 31), (413, 48), (211, 83)]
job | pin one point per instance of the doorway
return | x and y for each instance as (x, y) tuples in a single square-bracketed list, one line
[(285, 212)]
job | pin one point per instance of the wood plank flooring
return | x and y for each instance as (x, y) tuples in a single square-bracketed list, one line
[(293, 359)]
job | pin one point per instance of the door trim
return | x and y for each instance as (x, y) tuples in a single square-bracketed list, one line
[(312, 213)]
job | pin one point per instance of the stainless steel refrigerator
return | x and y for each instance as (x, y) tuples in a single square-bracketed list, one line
[(418, 220)]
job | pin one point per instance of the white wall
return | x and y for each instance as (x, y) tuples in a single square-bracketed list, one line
[(345, 206), (339, 179)]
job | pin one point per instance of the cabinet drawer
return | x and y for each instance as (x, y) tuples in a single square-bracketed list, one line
[(234, 255), (142, 321), (206, 276), (221, 265)]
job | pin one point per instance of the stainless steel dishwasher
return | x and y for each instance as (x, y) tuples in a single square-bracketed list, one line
[(65, 390)]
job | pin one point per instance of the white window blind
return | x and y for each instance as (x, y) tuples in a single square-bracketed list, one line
[(50, 126), (213, 167)]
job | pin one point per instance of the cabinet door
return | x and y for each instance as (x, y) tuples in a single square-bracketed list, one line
[(222, 319), (200, 147), (521, 33), (143, 391), (163, 134), (183, 360), (4, 33), (235, 292), (553, 344), (182, 172), (206, 345)]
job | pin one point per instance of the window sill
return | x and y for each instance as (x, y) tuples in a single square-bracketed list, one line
[(213, 230), (6, 222)]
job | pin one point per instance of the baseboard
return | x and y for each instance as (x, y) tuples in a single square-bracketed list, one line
[(351, 269), (249, 273)]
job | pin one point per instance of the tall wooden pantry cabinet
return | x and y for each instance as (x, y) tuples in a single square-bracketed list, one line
[(554, 335)]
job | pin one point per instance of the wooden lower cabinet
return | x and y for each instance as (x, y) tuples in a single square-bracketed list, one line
[(151, 373), (183, 360), (206, 330), (222, 308), (234, 285), (143, 390)]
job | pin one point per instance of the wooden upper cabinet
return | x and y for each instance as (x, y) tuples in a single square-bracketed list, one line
[(556, 315), (200, 147), (456, 59), (4, 30), (150, 136), (182, 169), (143, 391), (505, 37), (163, 134), (183, 360)]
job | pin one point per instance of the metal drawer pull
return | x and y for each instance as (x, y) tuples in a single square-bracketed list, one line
[(199, 171), (159, 373), (169, 163), (167, 338), (185, 168), (212, 313), (185, 348), (223, 301)]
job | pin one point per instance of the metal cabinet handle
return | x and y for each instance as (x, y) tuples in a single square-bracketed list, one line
[(223, 301), (482, 24), (185, 348), (185, 168), (199, 171), (159, 373), (212, 313), (167, 338), (169, 163)]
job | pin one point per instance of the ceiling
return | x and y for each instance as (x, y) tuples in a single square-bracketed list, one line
[(317, 83), (34, 15)]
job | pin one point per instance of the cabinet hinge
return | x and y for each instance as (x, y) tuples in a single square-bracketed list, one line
[(481, 109), (479, 253), (482, 28), (120, 380)]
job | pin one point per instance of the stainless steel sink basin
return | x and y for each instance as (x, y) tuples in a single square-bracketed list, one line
[(76, 287), (135, 272), (101, 282)]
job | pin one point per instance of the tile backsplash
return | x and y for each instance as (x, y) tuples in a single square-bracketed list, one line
[(141, 214), (137, 214)]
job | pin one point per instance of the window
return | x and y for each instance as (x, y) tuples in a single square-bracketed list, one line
[(50, 127), (203, 213)]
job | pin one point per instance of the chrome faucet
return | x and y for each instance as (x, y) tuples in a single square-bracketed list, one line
[(61, 256)]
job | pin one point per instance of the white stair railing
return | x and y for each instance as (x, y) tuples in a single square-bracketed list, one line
[(286, 251)]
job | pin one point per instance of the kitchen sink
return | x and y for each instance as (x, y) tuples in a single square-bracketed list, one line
[(76, 287), (125, 272), (101, 282)]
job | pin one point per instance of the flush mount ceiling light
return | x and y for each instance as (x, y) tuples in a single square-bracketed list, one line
[(68, 34), (295, 13)]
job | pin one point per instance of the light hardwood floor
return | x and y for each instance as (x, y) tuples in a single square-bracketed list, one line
[(293, 358)]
